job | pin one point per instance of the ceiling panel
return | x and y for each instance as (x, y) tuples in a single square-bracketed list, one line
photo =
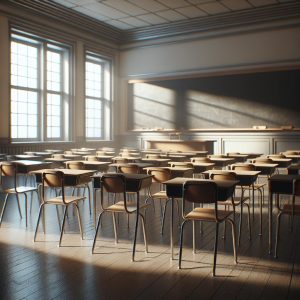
[(130, 14)]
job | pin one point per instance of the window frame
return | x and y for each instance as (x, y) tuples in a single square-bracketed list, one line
[(66, 75), (105, 98)]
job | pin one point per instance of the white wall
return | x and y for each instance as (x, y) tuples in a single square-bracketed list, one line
[(270, 47)]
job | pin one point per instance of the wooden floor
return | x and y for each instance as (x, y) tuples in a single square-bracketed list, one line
[(42, 270)]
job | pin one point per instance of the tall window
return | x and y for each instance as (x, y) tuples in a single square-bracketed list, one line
[(39, 89), (97, 97)]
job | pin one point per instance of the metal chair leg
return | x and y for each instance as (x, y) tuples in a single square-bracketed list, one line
[(240, 225), (115, 227), (135, 235), (233, 239), (63, 226), (277, 234), (79, 220), (216, 249), (96, 232), (144, 233), (38, 221), (19, 207), (3, 209), (181, 242)]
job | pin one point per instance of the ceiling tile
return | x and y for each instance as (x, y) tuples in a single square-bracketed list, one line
[(118, 24), (80, 2), (152, 19), (213, 8), (90, 13), (191, 12), (174, 3), (125, 7), (149, 5), (236, 4), (258, 3), (171, 15), (134, 22), (106, 10)]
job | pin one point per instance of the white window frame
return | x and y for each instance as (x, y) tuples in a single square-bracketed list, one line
[(42, 90), (105, 98)]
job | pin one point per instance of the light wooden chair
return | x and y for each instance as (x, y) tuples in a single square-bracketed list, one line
[(235, 202), (8, 170), (55, 180), (204, 192), (256, 186), (79, 165), (116, 184)]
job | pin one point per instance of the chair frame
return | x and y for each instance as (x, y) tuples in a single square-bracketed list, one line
[(12, 172), (63, 202), (210, 198), (119, 187)]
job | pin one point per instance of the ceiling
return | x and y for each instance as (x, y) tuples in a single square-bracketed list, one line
[(135, 14)]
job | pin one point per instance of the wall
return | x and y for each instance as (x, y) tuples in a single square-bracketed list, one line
[(247, 76)]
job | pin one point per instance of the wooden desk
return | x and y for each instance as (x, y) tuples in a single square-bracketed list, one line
[(199, 167), (278, 184), (129, 158), (93, 165), (141, 166), (159, 162), (26, 166), (294, 169), (175, 171), (246, 178), (238, 157), (72, 177), (282, 162), (27, 157), (174, 190), (221, 161)]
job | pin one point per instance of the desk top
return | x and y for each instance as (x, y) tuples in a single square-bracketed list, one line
[(225, 187), (134, 182), (67, 172), (282, 183)]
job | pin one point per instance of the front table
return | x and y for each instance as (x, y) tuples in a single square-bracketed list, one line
[(174, 190)]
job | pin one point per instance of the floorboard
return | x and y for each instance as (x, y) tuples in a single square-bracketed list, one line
[(42, 270)]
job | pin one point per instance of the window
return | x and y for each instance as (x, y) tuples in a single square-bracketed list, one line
[(39, 89), (97, 97)]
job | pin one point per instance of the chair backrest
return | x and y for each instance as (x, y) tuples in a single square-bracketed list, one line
[(223, 176), (201, 159), (113, 183), (100, 153), (243, 167), (59, 156), (182, 164), (53, 179), (263, 160), (120, 160), (216, 156), (8, 169), (129, 169), (274, 156), (152, 155), (68, 152), (290, 152), (200, 191), (160, 175), (233, 153), (75, 165), (91, 158)]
